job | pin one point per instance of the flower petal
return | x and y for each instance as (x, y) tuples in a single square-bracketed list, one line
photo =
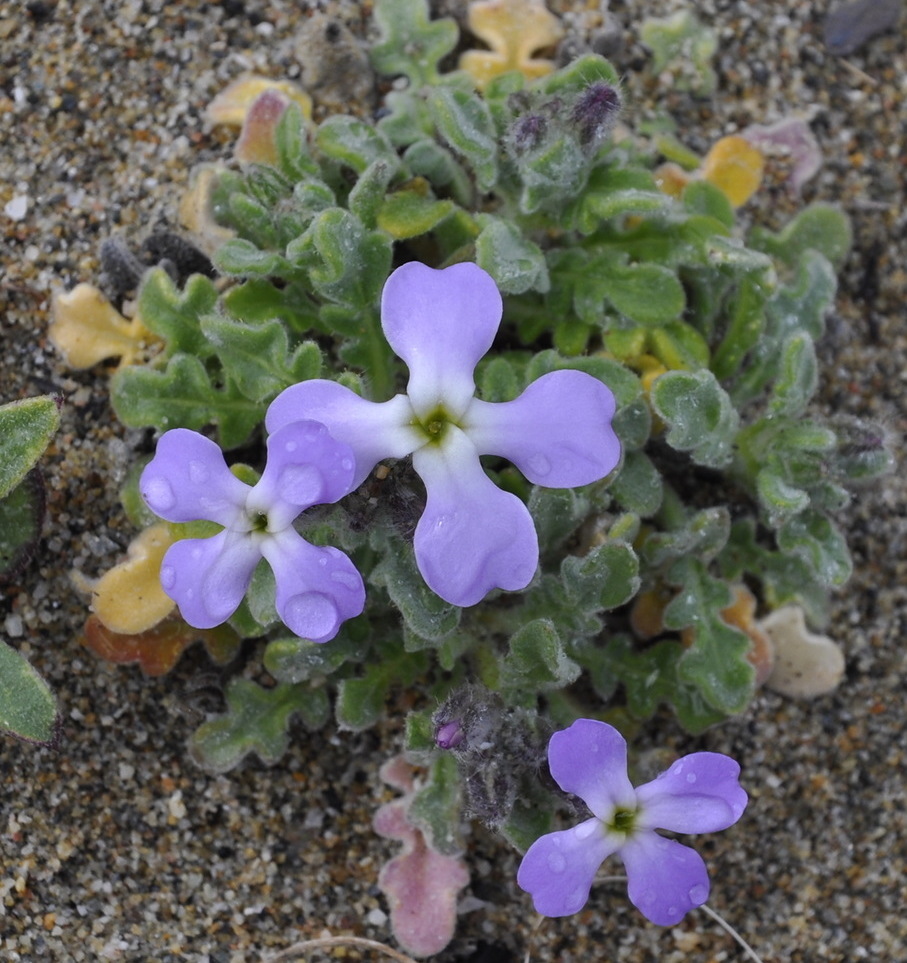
[(440, 322), (559, 868), (665, 879), (557, 432), (589, 759), (373, 430), (188, 480), (208, 577), (317, 588), (473, 536), (306, 467), (698, 794)]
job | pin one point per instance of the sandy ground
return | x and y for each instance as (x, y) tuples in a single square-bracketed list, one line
[(116, 846)]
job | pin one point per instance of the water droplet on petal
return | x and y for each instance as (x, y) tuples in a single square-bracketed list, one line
[(198, 473), (168, 577), (556, 862), (691, 777), (323, 560), (311, 615), (195, 554), (290, 446), (699, 894), (345, 578), (347, 464), (672, 911), (300, 484), (539, 464), (158, 493), (585, 830), (312, 432)]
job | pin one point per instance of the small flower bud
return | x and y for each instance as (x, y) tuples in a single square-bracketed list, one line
[(528, 132), (595, 112), (450, 735)]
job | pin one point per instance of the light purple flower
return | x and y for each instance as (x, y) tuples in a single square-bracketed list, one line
[(698, 794), (188, 480), (473, 536)]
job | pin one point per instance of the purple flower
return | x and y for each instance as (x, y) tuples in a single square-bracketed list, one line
[(188, 480), (473, 536), (698, 794)]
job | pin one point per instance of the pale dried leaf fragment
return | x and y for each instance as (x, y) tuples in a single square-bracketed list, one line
[(806, 665), (735, 167), (196, 211), (87, 328), (791, 139), (128, 598), (232, 104), (514, 29)]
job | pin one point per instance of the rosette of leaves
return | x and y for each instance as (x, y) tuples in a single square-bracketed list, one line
[(28, 708), (705, 337)]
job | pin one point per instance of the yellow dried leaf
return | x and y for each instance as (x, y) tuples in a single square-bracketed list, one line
[(735, 167), (195, 210), (232, 104), (129, 599), (514, 29), (671, 179), (87, 328)]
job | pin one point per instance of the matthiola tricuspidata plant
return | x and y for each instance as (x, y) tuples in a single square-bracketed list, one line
[(533, 415)]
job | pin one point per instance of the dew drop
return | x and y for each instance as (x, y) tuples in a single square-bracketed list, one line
[(539, 464), (195, 554), (198, 473), (300, 484), (585, 830), (345, 578), (168, 577), (691, 777), (347, 464), (312, 432), (556, 862), (159, 494), (290, 446), (698, 894), (672, 911), (322, 560)]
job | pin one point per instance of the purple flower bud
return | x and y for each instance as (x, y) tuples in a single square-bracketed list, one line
[(528, 132), (450, 734), (595, 112)]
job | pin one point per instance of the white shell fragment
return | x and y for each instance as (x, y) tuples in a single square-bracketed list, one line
[(806, 665)]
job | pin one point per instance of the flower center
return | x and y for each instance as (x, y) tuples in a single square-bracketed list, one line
[(258, 521), (434, 425), (623, 821)]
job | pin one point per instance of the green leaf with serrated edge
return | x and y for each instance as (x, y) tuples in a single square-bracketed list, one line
[(355, 143), (256, 721), (622, 382), (436, 806), (28, 708), (701, 197), (21, 515), (605, 579), (242, 258), (257, 356), (406, 118), (347, 263), (360, 700), (291, 141), (650, 678), (746, 322), (646, 293), (419, 735), (369, 192), (557, 513), (536, 661), (410, 213), (699, 414), (259, 300), (529, 819), (428, 159), (410, 43), (780, 499), (429, 616), (638, 487), (516, 263), (716, 660), (253, 221), (862, 450), (814, 537), (465, 123), (820, 227), (182, 396), (704, 534), (797, 379), (26, 429), (173, 314), (578, 75)]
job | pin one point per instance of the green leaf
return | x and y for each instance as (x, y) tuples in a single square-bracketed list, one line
[(293, 157), (701, 197), (427, 615), (699, 414), (436, 807), (820, 227), (28, 708), (256, 721), (173, 314), (746, 322), (240, 257), (516, 263), (465, 123), (410, 44), (605, 579), (257, 356), (535, 662), (646, 293), (360, 701), (557, 513), (815, 538), (26, 429), (294, 660), (798, 377), (21, 515), (638, 487), (409, 213), (182, 396), (355, 143)]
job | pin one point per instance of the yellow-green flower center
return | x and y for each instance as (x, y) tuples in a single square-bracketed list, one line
[(623, 821), (434, 425)]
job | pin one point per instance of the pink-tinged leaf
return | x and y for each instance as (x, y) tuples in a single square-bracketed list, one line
[(421, 885), (257, 143), (791, 140)]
